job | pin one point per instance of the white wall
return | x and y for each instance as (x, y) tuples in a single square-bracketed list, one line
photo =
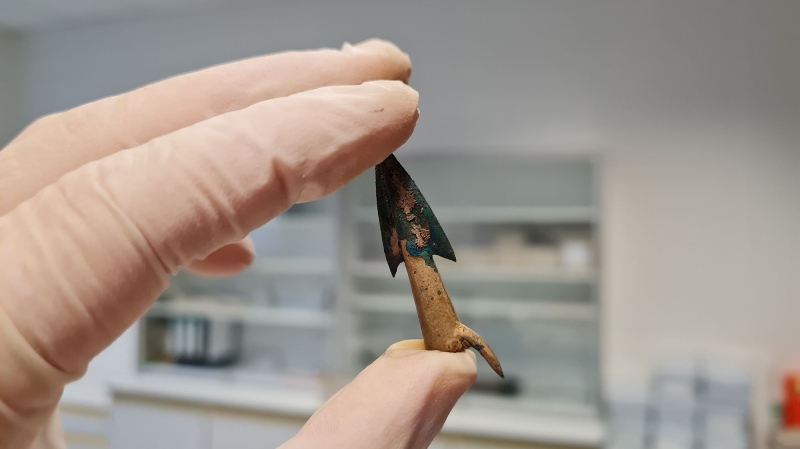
[(11, 112), (695, 103)]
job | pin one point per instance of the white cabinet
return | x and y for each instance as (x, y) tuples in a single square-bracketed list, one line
[(140, 422), (138, 425), (85, 427), (441, 443), (157, 424), (234, 431)]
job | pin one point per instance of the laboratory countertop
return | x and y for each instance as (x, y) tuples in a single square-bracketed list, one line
[(466, 419), (290, 402)]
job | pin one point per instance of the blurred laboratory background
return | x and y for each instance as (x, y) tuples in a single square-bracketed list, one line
[(619, 180)]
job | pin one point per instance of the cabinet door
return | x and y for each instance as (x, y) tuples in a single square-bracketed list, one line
[(85, 427), (233, 431), (141, 425), (444, 442)]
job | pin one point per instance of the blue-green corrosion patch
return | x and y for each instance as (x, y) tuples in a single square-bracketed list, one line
[(426, 253), (404, 214)]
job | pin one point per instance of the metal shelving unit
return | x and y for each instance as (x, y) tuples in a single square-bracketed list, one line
[(277, 318), (213, 307)]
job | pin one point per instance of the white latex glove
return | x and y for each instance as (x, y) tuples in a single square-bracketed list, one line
[(101, 204)]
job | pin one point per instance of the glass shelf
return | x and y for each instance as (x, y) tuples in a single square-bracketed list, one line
[(272, 325)]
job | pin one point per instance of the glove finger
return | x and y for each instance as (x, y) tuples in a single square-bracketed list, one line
[(400, 400), (59, 143), (94, 250), (229, 260)]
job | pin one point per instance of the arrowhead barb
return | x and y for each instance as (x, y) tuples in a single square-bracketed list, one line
[(404, 214), (385, 208)]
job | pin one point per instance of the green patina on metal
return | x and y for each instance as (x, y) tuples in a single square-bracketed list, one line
[(404, 214)]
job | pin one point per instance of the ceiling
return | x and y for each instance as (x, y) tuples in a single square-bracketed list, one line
[(32, 14)]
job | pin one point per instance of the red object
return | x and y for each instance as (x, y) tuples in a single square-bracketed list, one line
[(791, 400)]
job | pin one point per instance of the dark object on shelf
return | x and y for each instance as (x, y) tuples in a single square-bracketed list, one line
[(201, 341), (412, 234), (506, 387)]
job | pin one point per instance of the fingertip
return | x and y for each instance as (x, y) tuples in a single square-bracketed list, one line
[(460, 367), (377, 45), (387, 100), (396, 86), (390, 50), (467, 363), (474, 358), (380, 117), (227, 261), (401, 94), (408, 344), (404, 100), (389, 53), (249, 245), (400, 400)]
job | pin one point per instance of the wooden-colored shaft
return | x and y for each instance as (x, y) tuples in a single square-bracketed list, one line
[(437, 317), (441, 329)]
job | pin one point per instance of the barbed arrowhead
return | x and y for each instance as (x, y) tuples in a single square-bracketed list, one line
[(404, 214)]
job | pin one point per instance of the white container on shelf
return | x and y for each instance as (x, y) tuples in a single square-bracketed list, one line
[(513, 249), (576, 254)]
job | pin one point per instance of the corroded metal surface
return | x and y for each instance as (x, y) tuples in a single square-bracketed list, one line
[(412, 234)]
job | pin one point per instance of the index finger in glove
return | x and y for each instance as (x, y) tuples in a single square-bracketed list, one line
[(60, 143)]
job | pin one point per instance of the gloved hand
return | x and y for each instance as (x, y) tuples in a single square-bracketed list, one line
[(101, 204)]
